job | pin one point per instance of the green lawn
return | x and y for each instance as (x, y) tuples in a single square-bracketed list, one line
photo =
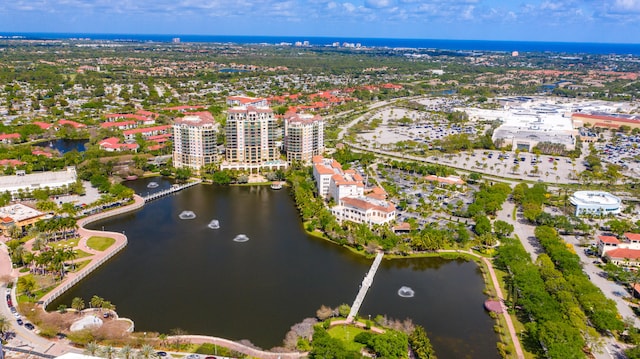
[(346, 333), (100, 243), (72, 242)]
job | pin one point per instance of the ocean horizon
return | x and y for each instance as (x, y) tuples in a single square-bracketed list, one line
[(395, 43)]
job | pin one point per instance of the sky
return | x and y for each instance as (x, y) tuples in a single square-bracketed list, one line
[(616, 21)]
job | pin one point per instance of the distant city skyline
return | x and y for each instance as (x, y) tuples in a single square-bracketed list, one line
[(613, 21)]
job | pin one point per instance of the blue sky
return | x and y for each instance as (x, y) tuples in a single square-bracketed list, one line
[(536, 20)]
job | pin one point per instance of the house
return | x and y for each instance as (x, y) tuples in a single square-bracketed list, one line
[(112, 144), (9, 137), (74, 124), (146, 132), (121, 125)]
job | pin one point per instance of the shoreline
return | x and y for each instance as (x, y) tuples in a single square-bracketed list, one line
[(121, 242)]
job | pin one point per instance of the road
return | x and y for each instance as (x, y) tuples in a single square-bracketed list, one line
[(613, 291)]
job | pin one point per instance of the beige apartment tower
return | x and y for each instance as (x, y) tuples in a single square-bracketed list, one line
[(303, 137), (194, 142)]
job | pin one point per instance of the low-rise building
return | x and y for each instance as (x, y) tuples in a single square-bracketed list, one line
[(595, 203), (347, 189), (624, 252), (364, 209), (25, 183), (18, 215)]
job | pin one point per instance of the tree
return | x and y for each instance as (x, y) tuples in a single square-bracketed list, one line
[(147, 352), (27, 284), (96, 302), (344, 310), (77, 303), (109, 352), (502, 228), (91, 348), (324, 313), (4, 324), (482, 226), (126, 352)]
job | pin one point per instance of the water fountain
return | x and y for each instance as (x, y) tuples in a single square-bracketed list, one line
[(241, 238), (187, 215), (406, 292), (214, 224), (153, 185)]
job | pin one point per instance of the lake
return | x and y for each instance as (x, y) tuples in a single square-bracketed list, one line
[(178, 273)]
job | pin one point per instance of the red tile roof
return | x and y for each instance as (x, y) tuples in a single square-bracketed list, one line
[(8, 136), (632, 236), (146, 130), (609, 239), (366, 205), (117, 124), (71, 123), (42, 125), (623, 253)]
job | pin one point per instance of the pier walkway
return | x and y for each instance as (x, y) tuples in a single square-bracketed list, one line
[(364, 287), (166, 192)]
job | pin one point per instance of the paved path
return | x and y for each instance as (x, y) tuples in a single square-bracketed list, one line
[(256, 353), (521, 228)]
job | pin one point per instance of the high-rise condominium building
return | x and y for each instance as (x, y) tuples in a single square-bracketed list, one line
[(251, 137), (303, 137), (194, 141)]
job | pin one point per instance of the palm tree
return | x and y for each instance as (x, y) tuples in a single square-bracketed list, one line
[(78, 304), (109, 352), (126, 352), (96, 301), (147, 352), (4, 324), (28, 284), (91, 348)]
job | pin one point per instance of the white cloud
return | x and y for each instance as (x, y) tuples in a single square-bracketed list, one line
[(378, 4), (349, 7), (626, 5)]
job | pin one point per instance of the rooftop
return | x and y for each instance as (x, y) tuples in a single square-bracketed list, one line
[(19, 212)]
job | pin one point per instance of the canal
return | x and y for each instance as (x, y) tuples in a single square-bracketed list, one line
[(178, 273)]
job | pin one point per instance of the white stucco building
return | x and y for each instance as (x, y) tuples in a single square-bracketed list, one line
[(595, 202), (25, 183), (347, 189)]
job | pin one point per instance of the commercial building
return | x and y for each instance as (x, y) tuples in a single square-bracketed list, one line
[(251, 140), (595, 203), (25, 183), (303, 137), (624, 252), (194, 142), (347, 189), (18, 215), (605, 120)]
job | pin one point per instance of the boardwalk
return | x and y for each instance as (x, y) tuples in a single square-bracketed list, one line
[(364, 287), (166, 192)]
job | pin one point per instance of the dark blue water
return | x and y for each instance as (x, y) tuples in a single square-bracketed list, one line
[(64, 146), (462, 45), (181, 274)]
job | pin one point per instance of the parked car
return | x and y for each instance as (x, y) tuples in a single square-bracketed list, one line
[(29, 326), (19, 321), (161, 354)]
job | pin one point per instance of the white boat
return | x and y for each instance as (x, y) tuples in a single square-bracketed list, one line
[(214, 224), (276, 185), (153, 185)]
